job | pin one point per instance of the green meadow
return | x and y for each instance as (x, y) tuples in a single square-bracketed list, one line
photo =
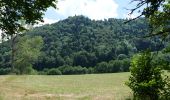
[(65, 87)]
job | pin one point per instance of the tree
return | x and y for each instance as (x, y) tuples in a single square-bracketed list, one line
[(13, 12), (54, 71), (28, 51), (96, 44), (157, 11), (102, 67), (114, 66), (146, 80)]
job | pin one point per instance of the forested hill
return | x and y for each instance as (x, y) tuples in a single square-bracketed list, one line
[(79, 41)]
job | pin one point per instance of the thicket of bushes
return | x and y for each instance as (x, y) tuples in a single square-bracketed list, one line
[(103, 67), (4, 71)]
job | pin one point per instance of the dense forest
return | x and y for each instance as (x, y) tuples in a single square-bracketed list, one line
[(79, 45)]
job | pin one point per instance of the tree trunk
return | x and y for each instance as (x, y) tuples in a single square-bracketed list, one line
[(13, 37)]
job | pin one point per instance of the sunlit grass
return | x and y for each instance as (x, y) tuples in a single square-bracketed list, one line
[(71, 87)]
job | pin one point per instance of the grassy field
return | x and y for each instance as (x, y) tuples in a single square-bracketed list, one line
[(71, 87)]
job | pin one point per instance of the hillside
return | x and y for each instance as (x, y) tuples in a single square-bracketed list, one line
[(79, 41)]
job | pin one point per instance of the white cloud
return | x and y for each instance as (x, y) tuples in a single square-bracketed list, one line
[(46, 21), (130, 16), (94, 9), (49, 21)]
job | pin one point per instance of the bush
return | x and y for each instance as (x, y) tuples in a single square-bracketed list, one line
[(146, 79), (102, 67), (125, 65), (80, 70), (69, 70), (5, 71), (19, 70), (121, 56), (43, 72), (54, 71), (115, 65), (90, 70)]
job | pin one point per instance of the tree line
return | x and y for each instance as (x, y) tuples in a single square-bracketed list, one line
[(79, 43)]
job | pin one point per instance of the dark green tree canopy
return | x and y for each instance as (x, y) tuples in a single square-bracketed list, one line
[(14, 11), (79, 41)]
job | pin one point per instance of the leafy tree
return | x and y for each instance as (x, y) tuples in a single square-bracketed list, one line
[(28, 51), (146, 80), (14, 12), (91, 70), (4, 71), (142, 44), (157, 11), (114, 66), (54, 71), (84, 59), (68, 70), (159, 19), (121, 56), (68, 60), (125, 65), (102, 67), (97, 42)]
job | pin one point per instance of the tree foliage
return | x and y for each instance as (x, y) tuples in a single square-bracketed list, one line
[(28, 51), (12, 12), (157, 11), (79, 41), (54, 71), (146, 80)]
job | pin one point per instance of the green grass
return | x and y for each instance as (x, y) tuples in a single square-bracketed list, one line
[(71, 87)]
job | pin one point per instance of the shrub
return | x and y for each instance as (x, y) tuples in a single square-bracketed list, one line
[(25, 70), (102, 67), (125, 65), (54, 71), (121, 56), (146, 79), (90, 70), (80, 70), (115, 65), (68, 70), (43, 72), (5, 71)]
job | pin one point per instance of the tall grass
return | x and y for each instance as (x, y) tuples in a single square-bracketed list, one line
[(65, 87)]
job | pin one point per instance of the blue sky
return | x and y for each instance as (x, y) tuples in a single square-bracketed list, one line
[(94, 9)]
